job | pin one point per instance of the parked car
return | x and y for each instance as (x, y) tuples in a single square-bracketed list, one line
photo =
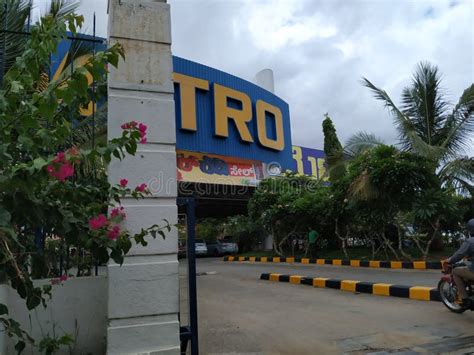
[(222, 247), (200, 247)]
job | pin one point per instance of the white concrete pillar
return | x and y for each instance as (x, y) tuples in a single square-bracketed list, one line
[(143, 293)]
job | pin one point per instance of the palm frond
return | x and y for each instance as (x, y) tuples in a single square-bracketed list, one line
[(61, 8), (78, 54), (362, 188), (14, 16), (459, 127), (423, 102), (408, 136), (79, 49), (90, 130), (361, 142), (458, 173)]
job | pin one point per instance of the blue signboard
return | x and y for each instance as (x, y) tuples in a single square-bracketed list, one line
[(309, 161), (221, 114)]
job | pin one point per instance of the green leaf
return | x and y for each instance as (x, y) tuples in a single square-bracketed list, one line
[(33, 301), (160, 232), (20, 346), (16, 87), (3, 309), (47, 109), (5, 217)]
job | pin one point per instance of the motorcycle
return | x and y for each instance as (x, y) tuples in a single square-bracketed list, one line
[(448, 291)]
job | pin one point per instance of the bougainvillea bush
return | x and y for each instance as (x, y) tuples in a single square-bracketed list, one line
[(42, 185)]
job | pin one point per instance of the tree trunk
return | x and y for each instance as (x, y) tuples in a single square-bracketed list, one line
[(400, 243), (344, 247), (389, 245), (342, 239), (435, 227)]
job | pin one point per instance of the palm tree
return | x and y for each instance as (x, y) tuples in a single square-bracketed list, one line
[(359, 143), (15, 19), (430, 126)]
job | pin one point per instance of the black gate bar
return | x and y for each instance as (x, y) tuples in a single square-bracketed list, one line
[(190, 332)]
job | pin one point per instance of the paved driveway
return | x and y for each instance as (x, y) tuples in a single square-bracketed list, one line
[(238, 313)]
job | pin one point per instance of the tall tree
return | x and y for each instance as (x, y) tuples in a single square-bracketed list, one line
[(430, 126), (333, 150)]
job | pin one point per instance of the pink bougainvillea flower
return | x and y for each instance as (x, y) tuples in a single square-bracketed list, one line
[(97, 222), (130, 125), (62, 172), (58, 280), (141, 188), (74, 152), (118, 211), (60, 158), (142, 127), (66, 170), (123, 182), (114, 232), (143, 140)]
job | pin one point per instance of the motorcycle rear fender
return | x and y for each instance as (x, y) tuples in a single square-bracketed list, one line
[(447, 278)]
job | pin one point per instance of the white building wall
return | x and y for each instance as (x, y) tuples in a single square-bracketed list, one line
[(78, 307)]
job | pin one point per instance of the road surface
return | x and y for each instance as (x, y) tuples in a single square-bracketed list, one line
[(239, 314)]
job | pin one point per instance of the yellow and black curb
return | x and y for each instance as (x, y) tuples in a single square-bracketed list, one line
[(381, 289), (417, 265)]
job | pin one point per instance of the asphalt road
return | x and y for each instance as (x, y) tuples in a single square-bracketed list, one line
[(239, 314)]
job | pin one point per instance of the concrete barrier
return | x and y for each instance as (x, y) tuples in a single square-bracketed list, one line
[(418, 265), (382, 289)]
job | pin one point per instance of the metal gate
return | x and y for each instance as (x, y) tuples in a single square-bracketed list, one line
[(189, 330)]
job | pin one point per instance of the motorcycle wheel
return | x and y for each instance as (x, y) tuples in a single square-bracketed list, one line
[(448, 292)]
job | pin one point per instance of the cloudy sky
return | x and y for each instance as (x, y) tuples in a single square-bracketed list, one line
[(320, 49)]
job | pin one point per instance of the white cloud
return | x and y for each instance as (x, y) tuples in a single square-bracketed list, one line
[(319, 50), (275, 24)]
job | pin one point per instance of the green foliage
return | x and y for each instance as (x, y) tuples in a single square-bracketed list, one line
[(389, 175), (15, 20), (384, 192), (333, 150), (38, 182), (286, 207), (50, 345), (430, 126), (210, 228), (248, 232), (331, 142)]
